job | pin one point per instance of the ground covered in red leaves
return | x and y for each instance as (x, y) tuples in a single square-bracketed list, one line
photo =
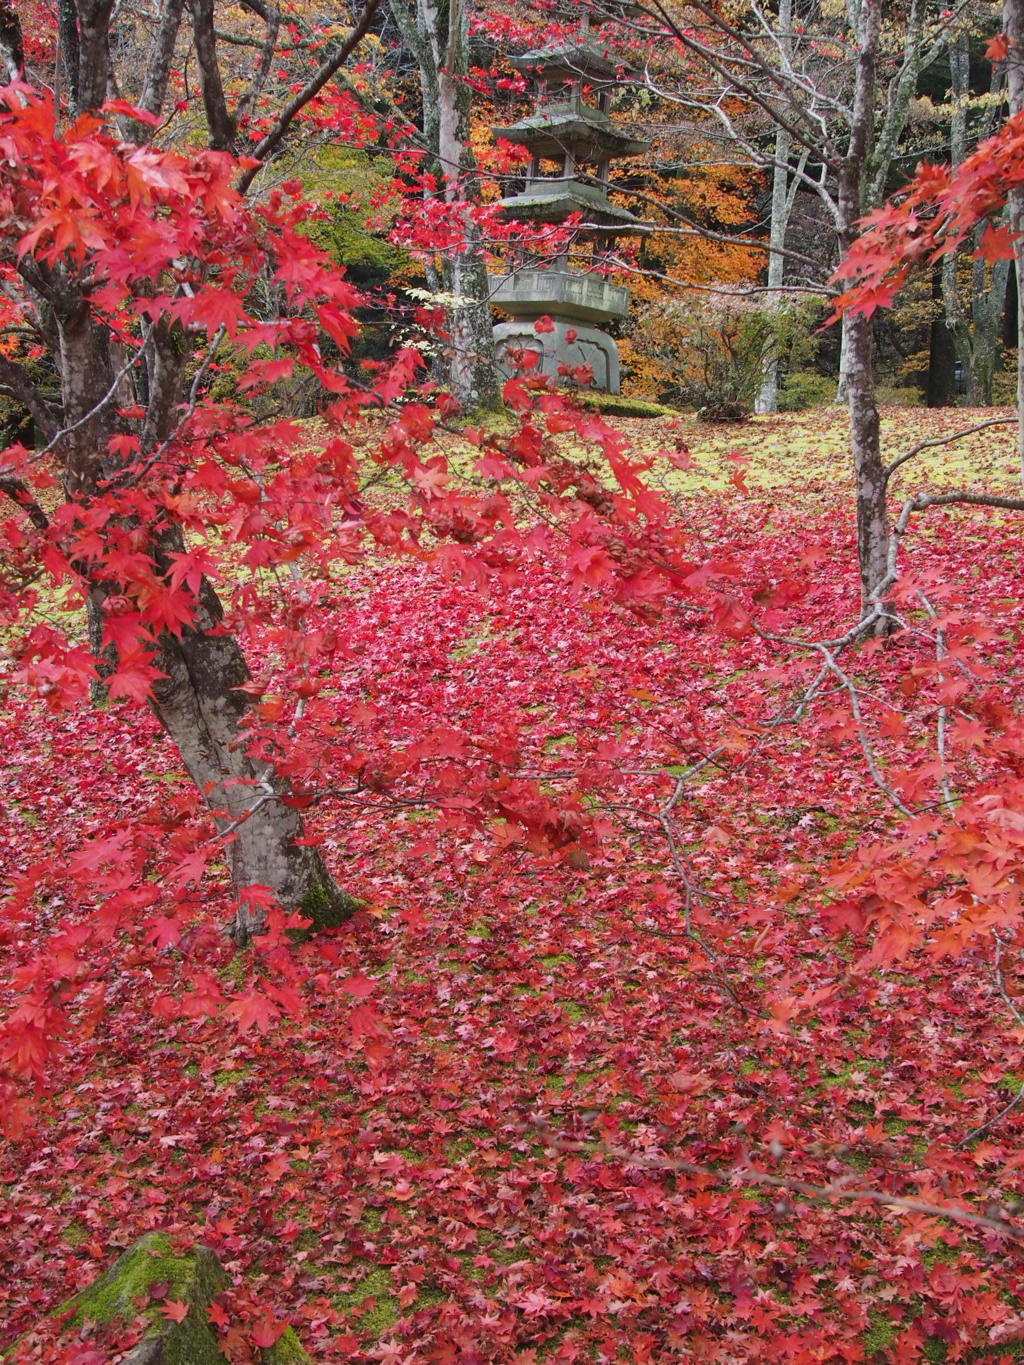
[(524, 1104)]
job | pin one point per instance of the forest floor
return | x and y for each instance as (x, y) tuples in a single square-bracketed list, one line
[(518, 1119)]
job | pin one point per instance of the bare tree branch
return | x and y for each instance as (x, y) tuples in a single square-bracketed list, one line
[(934, 441), (835, 1193), (308, 92)]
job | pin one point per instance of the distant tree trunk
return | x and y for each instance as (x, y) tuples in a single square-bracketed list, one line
[(473, 375), (1010, 305), (987, 297), (919, 52), (974, 331), (438, 35), (941, 352), (768, 398), (955, 319)]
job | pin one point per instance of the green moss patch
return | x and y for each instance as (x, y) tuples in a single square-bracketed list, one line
[(372, 1301), (149, 1275), (126, 1289)]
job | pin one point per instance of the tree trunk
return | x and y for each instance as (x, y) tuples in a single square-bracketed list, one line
[(102, 390), (975, 330), (872, 513), (941, 351), (67, 43), (768, 398), (875, 154), (198, 702), (154, 86), (858, 373), (473, 370), (93, 52), (989, 293), (955, 319), (204, 714), (472, 374), (440, 40), (12, 47)]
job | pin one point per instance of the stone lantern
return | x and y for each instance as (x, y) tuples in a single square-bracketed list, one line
[(572, 142)]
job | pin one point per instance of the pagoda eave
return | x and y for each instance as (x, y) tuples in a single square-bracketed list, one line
[(589, 139), (554, 206), (560, 293), (582, 61)]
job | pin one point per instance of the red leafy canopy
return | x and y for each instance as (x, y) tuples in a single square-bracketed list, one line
[(931, 217)]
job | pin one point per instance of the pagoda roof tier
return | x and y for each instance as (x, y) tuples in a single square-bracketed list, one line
[(553, 200), (560, 293), (587, 132), (570, 61)]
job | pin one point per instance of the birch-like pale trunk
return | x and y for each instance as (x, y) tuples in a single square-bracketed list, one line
[(768, 398), (880, 148)]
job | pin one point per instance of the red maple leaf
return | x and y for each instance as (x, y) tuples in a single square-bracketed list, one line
[(358, 986), (253, 1011), (997, 244), (134, 676), (164, 931), (265, 1333)]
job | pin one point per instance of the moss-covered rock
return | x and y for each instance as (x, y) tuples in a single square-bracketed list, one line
[(124, 1293), (616, 405)]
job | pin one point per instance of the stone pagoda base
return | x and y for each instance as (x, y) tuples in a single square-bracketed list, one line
[(569, 343)]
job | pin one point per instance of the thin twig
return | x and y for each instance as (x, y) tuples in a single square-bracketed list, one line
[(940, 725)]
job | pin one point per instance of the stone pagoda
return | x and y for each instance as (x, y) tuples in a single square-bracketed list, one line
[(572, 141)]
